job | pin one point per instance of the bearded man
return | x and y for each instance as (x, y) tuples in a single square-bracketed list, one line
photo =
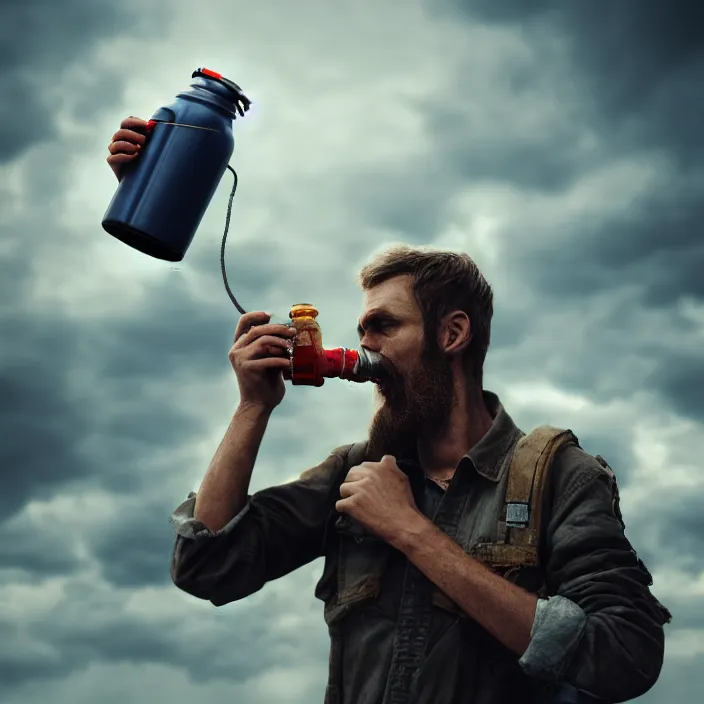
[(414, 616)]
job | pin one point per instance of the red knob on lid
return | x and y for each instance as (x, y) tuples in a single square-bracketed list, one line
[(212, 74)]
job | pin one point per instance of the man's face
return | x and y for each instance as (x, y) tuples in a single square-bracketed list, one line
[(417, 390)]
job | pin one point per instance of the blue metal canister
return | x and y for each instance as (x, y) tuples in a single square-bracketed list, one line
[(165, 191)]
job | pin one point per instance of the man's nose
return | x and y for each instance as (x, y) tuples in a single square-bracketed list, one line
[(370, 343)]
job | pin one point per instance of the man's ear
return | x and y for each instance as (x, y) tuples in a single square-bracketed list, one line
[(456, 333)]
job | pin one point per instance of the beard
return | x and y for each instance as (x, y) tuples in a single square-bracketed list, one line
[(416, 403)]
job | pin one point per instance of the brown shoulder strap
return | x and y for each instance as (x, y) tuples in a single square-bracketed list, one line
[(528, 473), (357, 453)]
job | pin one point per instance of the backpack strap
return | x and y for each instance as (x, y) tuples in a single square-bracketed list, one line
[(519, 527), (357, 454), (528, 474)]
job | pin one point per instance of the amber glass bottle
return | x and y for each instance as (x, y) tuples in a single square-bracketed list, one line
[(307, 357)]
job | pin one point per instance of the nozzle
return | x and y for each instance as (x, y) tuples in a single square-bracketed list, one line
[(310, 366), (354, 365)]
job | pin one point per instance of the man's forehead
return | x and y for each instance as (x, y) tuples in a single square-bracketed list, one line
[(393, 297)]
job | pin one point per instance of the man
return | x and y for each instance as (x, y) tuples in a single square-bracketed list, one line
[(414, 616)]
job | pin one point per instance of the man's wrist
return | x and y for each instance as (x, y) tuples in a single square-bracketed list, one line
[(253, 411), (412, 533)]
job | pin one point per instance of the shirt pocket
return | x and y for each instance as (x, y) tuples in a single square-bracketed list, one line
[(354, 565)]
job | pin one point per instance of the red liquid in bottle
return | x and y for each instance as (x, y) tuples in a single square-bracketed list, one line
[(307, 359)]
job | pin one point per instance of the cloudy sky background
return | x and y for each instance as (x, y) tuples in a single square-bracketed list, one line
[(561, 148)]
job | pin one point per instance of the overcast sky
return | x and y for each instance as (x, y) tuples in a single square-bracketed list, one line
[(561, 148)]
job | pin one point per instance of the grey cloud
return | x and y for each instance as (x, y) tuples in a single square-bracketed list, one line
[(22, 661), (134, 550), (32, 550), (681, 380), (615, 450), (40, 412), (499, 11), (495, 137), (59, 429), (621, 347), (680, 682), (681, 529), (508, 329), (403, 198), (640, 58), (90, 626), (38, 41), (666, 531), (654, 243)]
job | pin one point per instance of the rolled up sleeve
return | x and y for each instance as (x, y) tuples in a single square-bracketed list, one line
[(279, 530), (186, 526), (601, 631)]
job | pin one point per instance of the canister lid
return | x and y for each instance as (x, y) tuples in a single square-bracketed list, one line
[(242, 102)]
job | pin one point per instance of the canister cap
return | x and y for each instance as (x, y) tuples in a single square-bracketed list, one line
[(242, 102)]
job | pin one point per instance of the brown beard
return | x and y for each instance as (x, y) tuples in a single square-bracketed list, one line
[(416, 402)]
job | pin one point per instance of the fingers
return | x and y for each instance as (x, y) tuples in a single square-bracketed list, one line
[(355, 474), (126, 144), (116, 160), (281, 333), (265, 346), (248, 320), (349, 488), (255, 325), (123, 147), (342, 505), (260, 346), (259, 349), (267, 363), (129, 136), (132, 122)]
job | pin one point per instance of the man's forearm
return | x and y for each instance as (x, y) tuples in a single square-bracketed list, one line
[(223, 492), (502, 608)]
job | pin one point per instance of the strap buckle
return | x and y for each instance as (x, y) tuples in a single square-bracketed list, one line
[(517, 515)]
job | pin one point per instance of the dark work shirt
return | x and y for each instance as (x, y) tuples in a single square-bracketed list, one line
[(374, 628), (395, 638)]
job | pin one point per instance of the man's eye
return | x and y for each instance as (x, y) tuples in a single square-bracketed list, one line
[(376, 326)]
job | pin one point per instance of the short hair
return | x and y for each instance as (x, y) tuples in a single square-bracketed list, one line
[(442, 281)]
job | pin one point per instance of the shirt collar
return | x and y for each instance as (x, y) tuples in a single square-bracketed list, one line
[(487, 456)]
